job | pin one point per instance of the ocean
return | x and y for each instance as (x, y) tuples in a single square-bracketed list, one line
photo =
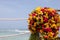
[(14, 34), (14, 30)]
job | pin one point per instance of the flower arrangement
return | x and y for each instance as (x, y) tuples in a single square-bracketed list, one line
[(44, 21)]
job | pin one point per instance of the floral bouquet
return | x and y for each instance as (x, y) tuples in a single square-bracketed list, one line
[(44, 21)]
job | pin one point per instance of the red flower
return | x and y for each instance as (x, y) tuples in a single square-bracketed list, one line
[(34, 14), (31, 22), (42, 26), (54, 11), (38, 29), (51, 13), (45, 19), (47, 30), (43, 10)]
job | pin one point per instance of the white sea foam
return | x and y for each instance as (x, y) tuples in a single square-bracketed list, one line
[(22, 31), (12, 35)]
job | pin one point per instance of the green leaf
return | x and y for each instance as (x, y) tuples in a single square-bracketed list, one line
[(34, 36)]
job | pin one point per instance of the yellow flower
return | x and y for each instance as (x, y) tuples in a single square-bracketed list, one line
[(50, 9), (47, 25), (35, 24), (58, 24), (30, 17), (41, 19), (46, 14), (54, 25), (50, 34), (40, 13), (33, 28), (37, 11), (38, 8), (36, 18), (52, 21), (52, 18)]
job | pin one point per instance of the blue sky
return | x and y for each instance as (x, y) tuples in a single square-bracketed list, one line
[(21, 9)]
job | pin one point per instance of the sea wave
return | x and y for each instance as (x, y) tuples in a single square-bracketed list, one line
[(26, 31), (21, 32), (12, 35)]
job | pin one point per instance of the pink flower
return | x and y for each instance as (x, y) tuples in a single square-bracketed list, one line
[(46, 36), (57, 28)]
